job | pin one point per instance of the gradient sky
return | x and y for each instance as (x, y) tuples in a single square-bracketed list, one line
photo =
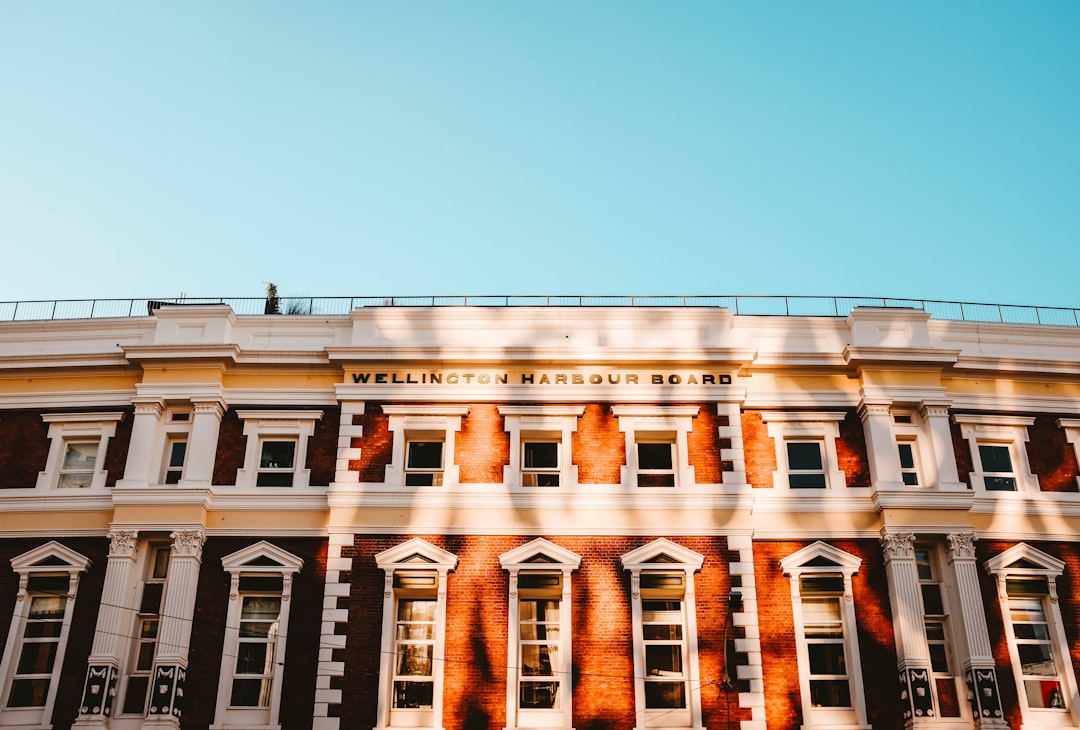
[(920, 149)]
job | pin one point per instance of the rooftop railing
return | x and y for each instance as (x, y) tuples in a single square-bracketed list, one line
[(747, 305)]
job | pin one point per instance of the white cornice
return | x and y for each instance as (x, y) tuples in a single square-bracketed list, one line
[(39, 500), (922, 500), (1018, 365), (64, 360), (821, 501), (67, 399), (992, 419), (759, 398), (1005, 403), (901, 356), (449, 355), (226, 352), (493, 393)]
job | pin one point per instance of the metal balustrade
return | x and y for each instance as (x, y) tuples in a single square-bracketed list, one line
[(55, 309)]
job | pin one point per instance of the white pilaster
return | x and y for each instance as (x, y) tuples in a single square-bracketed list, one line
[(884, 459), (202, 444), (941, 470), (145, 428)]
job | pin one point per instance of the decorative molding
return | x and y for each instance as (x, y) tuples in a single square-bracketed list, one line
[(898, 545), (961, 546), (123, 543), (188, 543)]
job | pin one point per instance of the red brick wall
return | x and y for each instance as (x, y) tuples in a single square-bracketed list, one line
[(482, 447), (1052, 457), (208, 632), (230, 448), (851, 451), (759, 450), (703, 444), (83, 623), (477, 615), (962, 452), (599, 447), (322, 448), (375, 445), (24, 448), (117, 451), (877, 648)]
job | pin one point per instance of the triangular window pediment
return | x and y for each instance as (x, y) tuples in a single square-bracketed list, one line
[(416, 551), (49, 556), (662, 551), (263, 557), (1024, 558), (820, 556), (540, 552)]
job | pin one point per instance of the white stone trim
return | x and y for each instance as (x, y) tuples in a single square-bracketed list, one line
[(563, 562), (548, 423), (290, 425), (820, 426), (1071, 427), (438, 421), (657, 423), (76, 427), (998, 430), (664, 556), (834, 562)]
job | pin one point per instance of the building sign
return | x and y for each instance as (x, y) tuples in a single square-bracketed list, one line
[(537, 377)]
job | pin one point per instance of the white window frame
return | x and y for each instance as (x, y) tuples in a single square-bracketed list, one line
[(939, 578), (1071, 427), (911, 435), (148, 552), (176, 431), (665, 557), (822, 427), (266, 560), (542, 557), (264, 426), (996, 430), (66, 428), (414, 558), (657, 424), (822, 560), (528, 424), (423, 423), (51, 558), (1026, 562)]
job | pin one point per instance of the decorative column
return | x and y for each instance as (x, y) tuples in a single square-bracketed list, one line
[(144, 432), (913, 658), (202, 444), (111, 634), (881, 445), (174, 631), (941, 471), (979, 671)]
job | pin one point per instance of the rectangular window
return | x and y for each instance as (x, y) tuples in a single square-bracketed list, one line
[(655, 464), (146, 634), (540, 464), (80, 460), (414, 651), (1039, 666), (663, 630), (46, 607), (174, 460), (944, 678), (539, 636), (909, 469), (277, 463), (424, 463), (260, 612), (997, 468), (823, 631), (806, 467)]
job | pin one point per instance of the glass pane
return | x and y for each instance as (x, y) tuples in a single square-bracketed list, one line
[(274, 479), (1000, 484), (539, 695), (806, 481), (830, 693), (425, 455), (1034, 632), (413, 695), (821, 611), (541, 455), (538, 661), (932, 602), (665, 695), (995, 459), (145, 660), (80, 456), (923, 566), (416, 610), (415, 632), (654, 456), (804, 455), (663, 660), (826, 658), (254, 658), (250, 693), (911, 479), (939, 658), (135, 695), (1036, 659), (43, 629), (948, 698), (656, 480), (75, 480), (260, 608), (1044, 694), (28, 693), (176, 453), (37, 658), (414, 660), (662, 632), (277, 454), (907, 456)]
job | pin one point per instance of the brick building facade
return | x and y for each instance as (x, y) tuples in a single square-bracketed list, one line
[(485, 518)]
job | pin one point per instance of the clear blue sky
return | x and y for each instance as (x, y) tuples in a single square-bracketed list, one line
[(920, 149)]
